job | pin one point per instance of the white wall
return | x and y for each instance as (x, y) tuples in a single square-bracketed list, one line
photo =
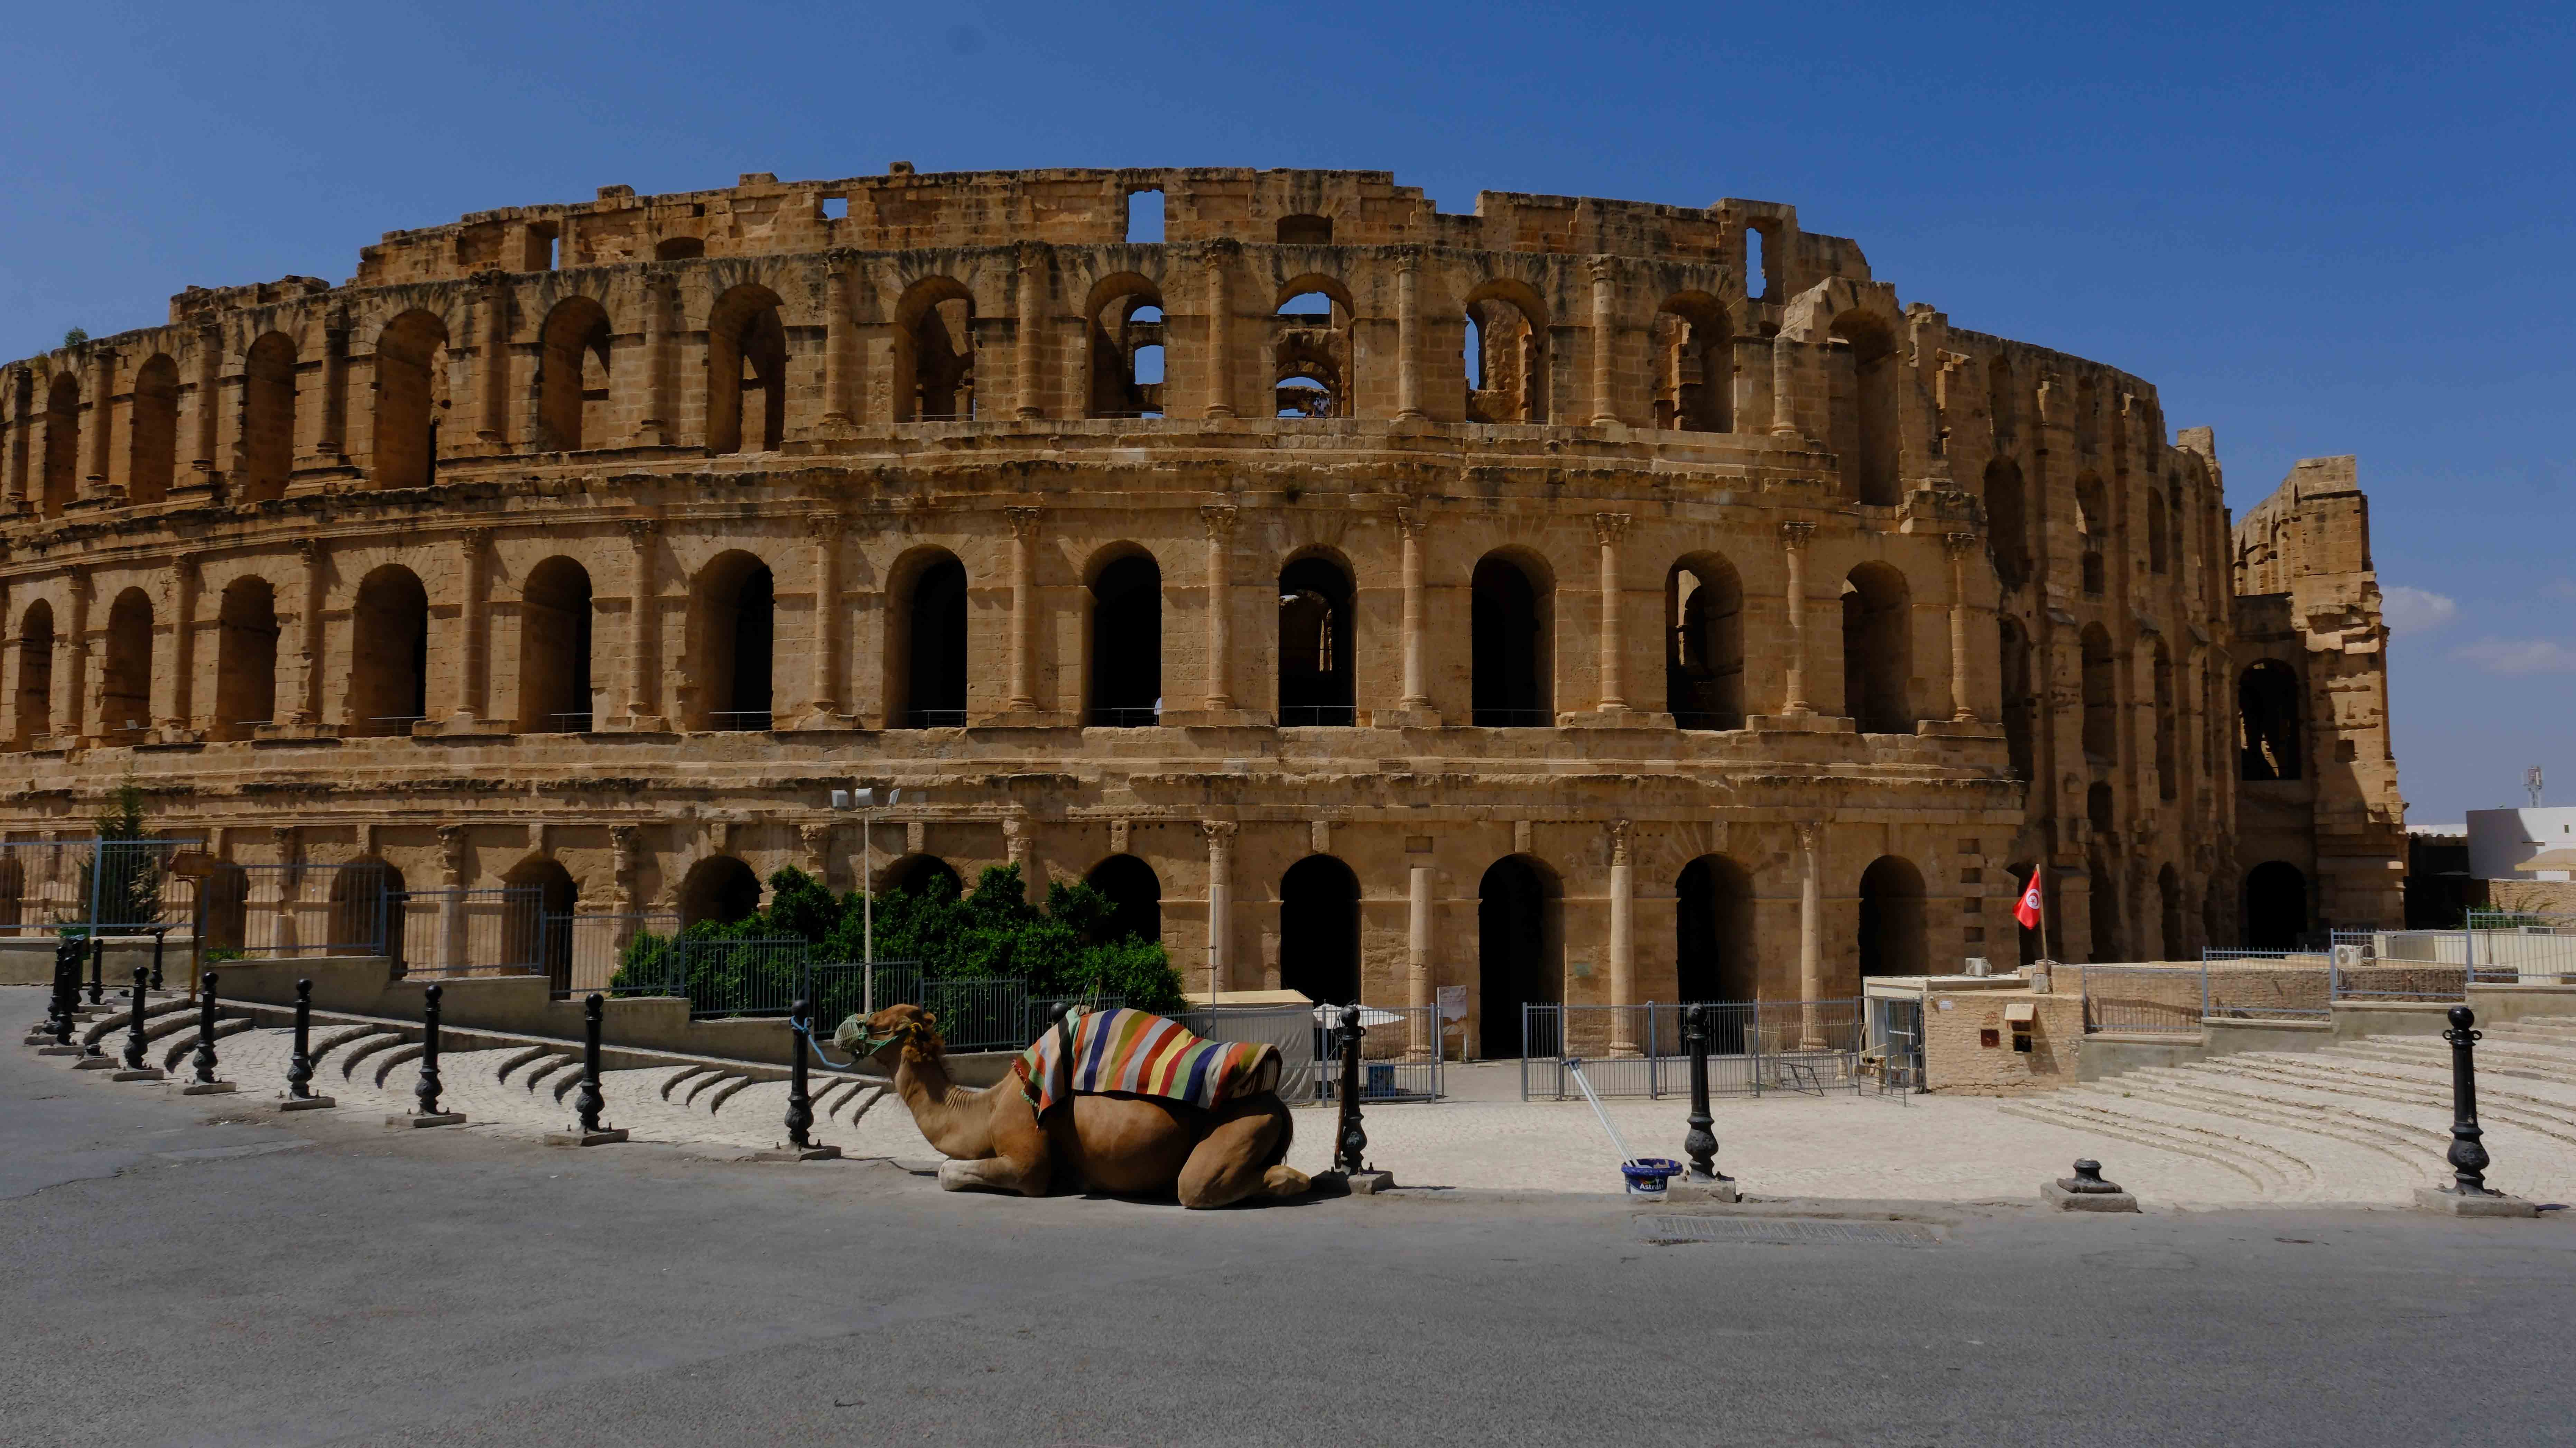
[(2500, 839)]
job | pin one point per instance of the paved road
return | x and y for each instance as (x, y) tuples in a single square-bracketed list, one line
[(206, 1272)]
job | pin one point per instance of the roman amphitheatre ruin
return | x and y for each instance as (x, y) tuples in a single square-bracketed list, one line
[(1572, 599)]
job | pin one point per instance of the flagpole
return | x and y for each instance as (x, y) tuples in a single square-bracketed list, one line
[(2047, 951)]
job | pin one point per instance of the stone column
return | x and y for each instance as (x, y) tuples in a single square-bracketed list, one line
[(642, 616), (1220, 902), (179, 714), (1417, 691), (823, 694), (839, 337), (1963, 703), (451, 877), (473, 667), (1421, 985), (1605, 332), (654, 428), (1024, 609), (304, 709), (102, 416), (333, 444), (1219, 260), (1220, 623), (1811, 946), (72, 717), (493, 367), (1607, 529), (1793, 537), (1016, 849), (624, 842), (1408, 335), (1623, 942), (1784, 388), (210, 359), (1030, 324)]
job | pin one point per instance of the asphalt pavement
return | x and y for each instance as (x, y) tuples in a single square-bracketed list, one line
[(207, 1271)]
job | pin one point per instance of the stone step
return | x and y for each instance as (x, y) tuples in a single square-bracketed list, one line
[(177, 1048), (2528, 1113), (2263, 1179)]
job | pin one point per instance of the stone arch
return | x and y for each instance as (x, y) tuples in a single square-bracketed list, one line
[(1319, 931), (574, 355), (1520, 932), (389, 653), (1693, 343), (245, 658), (2267, 721), (556, 682), (1713, 941), (2007, 529), (125, 677), (1316, 641), (926, 875), (1878, 649), (35, 682), (1704, 643), (542, 936), (1115, 336), (934, 351), (152, 445), (926, 641), (1135, 896), (267, 417), (1892, 925), (1505, 352), (411, 399), (2101, 706), (1123, 669), (734, 610), (1511, 655), (1310, 351), (1865, 371), (746, 357), (718, 888)]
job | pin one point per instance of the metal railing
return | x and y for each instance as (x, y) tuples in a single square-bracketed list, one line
[(1126, 717), (582, 951), (576, 721), (1813, 1047), (93, 886), (1517, 719), (2144, 999), (388, 726), (739, 720), (1330, 716), (934, 718), (1399, 1053), (287, 911), (1895, 1046), (451, 933)]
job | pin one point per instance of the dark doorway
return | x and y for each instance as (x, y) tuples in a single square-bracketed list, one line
[(2267, 709), (1519, 947), (719, 888), (1509, 648), (1891, 919), (934, 639), (1314, 643), (2276, 906), (1319, 931), (1127, 644), (1713, 943), (924, 875), (1135, 898)]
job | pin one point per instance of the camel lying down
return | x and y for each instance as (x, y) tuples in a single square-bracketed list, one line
[(1122, 1142)]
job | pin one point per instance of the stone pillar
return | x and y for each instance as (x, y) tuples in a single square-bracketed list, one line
[(1605, 333), (1417, 690), (178, 712), (1408, 335), (102, 416), (1784, 388), (1811, 945), (1030, 325), (823, 693), (1219, 260), (1607, 529), (1220, 623), (1421, 985), (1024, 609), (451, 917), (1623, 942), (210, 359), (1963, 703), (474, 650), (642, 617), (840, 339), (1793, 537), (71, 664), (654, 428), (304, 708), (1220, 902), (493, 367), (1016, 850), (625, 843)]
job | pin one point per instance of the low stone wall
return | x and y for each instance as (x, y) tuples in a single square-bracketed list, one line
[(29, 960), (1970, 1047)]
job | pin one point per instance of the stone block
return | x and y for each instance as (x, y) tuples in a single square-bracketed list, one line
[(2451, 1204), (307, 1103), (1724, 1189), (208, 1088), (602, 1137), (2066, 1201), (1370, 1183), (419, 1118), (789, 1153), (148, 1073)]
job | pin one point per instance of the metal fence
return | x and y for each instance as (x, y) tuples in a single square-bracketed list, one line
[(444, 934), (1399, 1053), (2496, 947), (1813, 1047), (1895, 1048), (582, 952), (282, 912), (93, 886), (2145, 999)]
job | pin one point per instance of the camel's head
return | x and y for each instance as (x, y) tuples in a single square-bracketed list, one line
[(909, 1026)]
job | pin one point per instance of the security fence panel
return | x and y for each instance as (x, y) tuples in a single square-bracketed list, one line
[(1290, 1028), (288, 912), (1398, 1058), (1895, 1047), (583, 952), (980, 1015), (2145, 999), (93, 886), (2270, 985), (1754, 1046), (446, 934)]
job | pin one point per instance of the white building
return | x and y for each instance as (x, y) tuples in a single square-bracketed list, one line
[(2501, 839)]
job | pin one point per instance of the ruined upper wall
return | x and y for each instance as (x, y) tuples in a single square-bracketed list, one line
[(2316, 522)]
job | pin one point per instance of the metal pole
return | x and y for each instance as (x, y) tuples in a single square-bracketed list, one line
[(427, 1090), (587, 1101), (97, 880), (1654, 1057), (1352, 1141), (1700, 1145), (204, 1060), (66, 989), (299, 1066), (868, 913), (135, 1044), (2468, 1156), (160, 938), (800, 1106), (97, 966)]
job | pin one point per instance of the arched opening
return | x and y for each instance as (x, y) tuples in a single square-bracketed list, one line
[(1127, 643), (2169, 912), (2267, 716), (934, 352), (1315, 643), (411, 399), (572, 376), (1135, 896), (1304, 231), (2097, 810), (2159, 543), (1878, 650), (1126, 324), (366, 910), (268, 417), (35, 711), (152, 450), (389, 653), (1761, 262), (554, 649), (2021, 705), (1506, 354), (1319, 930), (1509, 654), (2276, 906), (2168, 727), (2093, 527), (1999, 402), (125, 681), (737, 608), (1891, 919), (1713, 957), (679, 248), (2101, 712), (928, 876), (2007, 534), (718, 888), (2104, 897), (1694, 355), (1520, 944), (1310, 349), (926, 667), (245, 659), (1862, 365), (62, 445), (1704, 644), (746, 359), (542, 936)]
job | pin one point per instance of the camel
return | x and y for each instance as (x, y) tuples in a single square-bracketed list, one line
[(1114, 1142)]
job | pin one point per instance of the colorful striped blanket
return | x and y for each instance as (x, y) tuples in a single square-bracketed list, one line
[(1145, 1055)]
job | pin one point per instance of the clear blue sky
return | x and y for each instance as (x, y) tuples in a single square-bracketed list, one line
[(2343, 231)]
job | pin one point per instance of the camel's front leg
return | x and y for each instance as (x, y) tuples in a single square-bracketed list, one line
[(1021, 1161)]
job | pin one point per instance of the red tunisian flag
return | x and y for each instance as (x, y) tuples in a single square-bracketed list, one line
[(2027, 912)]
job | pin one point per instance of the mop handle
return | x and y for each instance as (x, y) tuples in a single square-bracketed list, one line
[(1574, 1068)]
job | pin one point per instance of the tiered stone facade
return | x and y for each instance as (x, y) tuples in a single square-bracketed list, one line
[(1727, 635)]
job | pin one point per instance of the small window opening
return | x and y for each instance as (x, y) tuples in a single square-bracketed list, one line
[(1305, 231), (679, 248), (1144, 216), (545, 247), (2021, 1037), (836, 208), (1989, 1037), (1757, 264)]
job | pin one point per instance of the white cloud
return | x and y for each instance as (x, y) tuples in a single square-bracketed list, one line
[(2519, 656), (2417, 610)]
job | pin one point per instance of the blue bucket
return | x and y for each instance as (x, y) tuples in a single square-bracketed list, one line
[(1647, 1174)]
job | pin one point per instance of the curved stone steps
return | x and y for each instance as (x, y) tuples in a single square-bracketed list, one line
[(2526, 1061), (536, 1075), (525, 1056), (683, 1075), (2265, 1181), (2309, 1158), (326, 1042), (2501, 1107), (374, 1043), (711, 1079), (716, 1100), (123, 1020), (2400, 1142), (387, 1061), (177, 1051)]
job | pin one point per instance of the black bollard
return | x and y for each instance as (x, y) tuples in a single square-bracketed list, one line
[(160, 938), (1350, 1142), (136, 1045), (588, 1102), (427, 1090), (1700, 1145), (800, 1105), (204, 1060), (97, 966), (2468, 1155), (299, 1066), (66, 995)]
